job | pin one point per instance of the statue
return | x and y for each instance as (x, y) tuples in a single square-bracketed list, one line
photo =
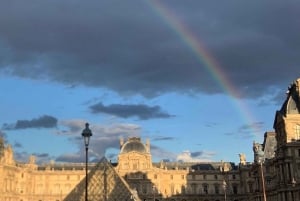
[(294, 89), (258, 152), (242, 158), (2, 147), (148, 145), (32, 159), (297, 83)]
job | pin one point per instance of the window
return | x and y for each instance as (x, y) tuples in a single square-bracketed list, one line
[(194, 188), (183, 189), (217, 191), (297, 132), (182, 176), (205, 188), (125, 165), (250, 187), (216, 176), (235, 189), (233, 176), (135, 165), (144, 188), (171, 177), (155, 176), (172, 189)]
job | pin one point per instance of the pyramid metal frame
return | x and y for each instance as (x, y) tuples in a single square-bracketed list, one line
[(104, 184)]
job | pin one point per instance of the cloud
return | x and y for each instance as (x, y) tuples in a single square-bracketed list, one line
[(74, 158), (199, 156), (160, 152), (40, 157), (73, 126), (196, 154), (129, 48), (247, 130), (143, 112), (211, 124), (104, 138), (45, 121), (163, 138), (3, 135), (17, 145)]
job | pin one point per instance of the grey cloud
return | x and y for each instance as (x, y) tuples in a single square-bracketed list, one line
[(196, 154), (45, 121), (3, 135), (129, 48), (104, 138), (162, 138), (249, 127), (73, 126), (211, 124), (40, 157), (143, 112), (160, 152), (21, 156), (69, 158), (247, 131), (17, 145)]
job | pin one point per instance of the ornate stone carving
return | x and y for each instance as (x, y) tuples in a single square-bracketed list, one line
[(242, 159), (258, 152)]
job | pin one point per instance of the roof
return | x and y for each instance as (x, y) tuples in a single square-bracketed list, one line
[(270, 144), (133, 144), (292, 102)]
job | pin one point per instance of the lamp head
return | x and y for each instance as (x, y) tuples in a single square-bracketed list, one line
[(86, 134)]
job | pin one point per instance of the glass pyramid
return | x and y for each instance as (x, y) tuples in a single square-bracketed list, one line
[(104, 184)]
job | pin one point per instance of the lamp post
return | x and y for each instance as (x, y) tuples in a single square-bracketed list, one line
[(293, 185), (153, 188), (224, 187), (262, 180), (86, 134)]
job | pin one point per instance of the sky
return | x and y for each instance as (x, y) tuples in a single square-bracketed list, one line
[(201, 80)]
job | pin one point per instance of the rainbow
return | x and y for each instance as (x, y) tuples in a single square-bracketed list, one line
[(203, 56)]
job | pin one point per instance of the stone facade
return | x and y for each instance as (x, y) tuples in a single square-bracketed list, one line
[(32, 182), (274, 175)]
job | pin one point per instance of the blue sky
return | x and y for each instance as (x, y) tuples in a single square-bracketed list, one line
[(128, 70)]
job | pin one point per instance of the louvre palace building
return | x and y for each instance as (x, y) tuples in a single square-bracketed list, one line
[(273, 175)]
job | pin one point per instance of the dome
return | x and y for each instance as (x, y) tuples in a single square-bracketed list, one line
[(133, 144)]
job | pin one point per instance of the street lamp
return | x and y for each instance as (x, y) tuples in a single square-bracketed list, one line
[(224, 187), (262, 179), (86, 134), (153, 188), (293, 185)]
